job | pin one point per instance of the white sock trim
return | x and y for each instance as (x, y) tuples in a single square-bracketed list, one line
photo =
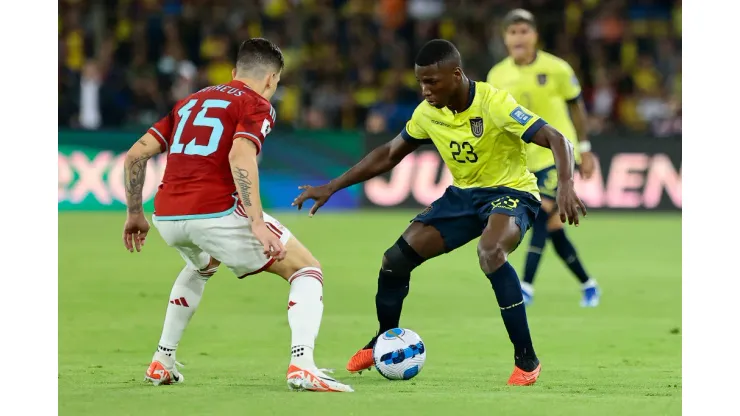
[(313, 272), (208, 272)]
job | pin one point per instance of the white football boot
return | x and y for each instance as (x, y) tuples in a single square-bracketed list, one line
[(314, 379), (163, 370)]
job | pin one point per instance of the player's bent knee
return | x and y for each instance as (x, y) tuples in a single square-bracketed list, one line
[(210, 269), (547, 205), (491, 258), (297, 258), (208, 272), (400, 259), (554, 223)]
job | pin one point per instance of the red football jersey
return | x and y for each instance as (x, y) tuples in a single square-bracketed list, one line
[(198, 134)]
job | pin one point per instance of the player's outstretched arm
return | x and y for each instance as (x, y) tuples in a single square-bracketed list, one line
[(243, 161), (380, 160), (570, 89), (134, 174), (134, 170), (578, 114), (562, 150)]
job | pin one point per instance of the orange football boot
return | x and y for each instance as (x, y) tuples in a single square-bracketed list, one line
[(524, 378), (363, 359)]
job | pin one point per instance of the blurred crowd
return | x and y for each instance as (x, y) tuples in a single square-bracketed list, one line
[(349, 63)]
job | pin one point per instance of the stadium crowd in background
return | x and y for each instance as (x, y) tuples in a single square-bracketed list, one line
[(349, 63)]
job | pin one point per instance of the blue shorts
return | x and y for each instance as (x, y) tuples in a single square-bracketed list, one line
[(547, 181), (460, 215)]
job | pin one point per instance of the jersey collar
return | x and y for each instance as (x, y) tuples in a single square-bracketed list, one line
[(242, 84), (471, 95), (536, 55)]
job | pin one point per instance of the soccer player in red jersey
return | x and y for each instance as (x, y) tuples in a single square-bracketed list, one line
[(208, 208)]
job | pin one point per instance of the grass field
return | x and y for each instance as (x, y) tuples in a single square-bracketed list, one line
[(622, 358)]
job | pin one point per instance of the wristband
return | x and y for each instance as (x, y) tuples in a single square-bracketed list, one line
[(584, 147)]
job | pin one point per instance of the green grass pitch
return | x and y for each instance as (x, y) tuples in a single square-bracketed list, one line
[(622, 358)]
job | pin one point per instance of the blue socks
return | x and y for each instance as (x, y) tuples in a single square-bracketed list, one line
[(505, 283), (536, 246), (567, 252), (562, 246)]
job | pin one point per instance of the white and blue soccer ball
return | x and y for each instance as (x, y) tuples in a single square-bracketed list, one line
[(399, 354)]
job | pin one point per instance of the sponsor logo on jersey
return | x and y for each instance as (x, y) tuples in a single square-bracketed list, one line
[(440, 123)]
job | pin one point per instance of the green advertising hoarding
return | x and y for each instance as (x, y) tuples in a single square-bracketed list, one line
[(91, 167)]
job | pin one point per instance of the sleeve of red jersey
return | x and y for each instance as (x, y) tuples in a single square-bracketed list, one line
[(162, 131), (255, 123)]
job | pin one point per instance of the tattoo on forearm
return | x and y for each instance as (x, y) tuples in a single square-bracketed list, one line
[(241, 177), (134, 184)]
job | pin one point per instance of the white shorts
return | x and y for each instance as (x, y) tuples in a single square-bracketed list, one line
[(228, 239)]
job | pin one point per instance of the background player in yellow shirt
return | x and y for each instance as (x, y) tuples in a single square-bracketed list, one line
[(548, 86), (480, 132)]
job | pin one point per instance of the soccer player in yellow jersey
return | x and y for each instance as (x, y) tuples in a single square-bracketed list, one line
[(546, 85), (481, 133)]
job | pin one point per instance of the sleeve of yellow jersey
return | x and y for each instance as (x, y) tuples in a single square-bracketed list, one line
[(512, 117), (414, 131), (567, 83), (492, 76)]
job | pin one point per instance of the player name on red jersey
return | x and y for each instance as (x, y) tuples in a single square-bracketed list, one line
[(238, 92)]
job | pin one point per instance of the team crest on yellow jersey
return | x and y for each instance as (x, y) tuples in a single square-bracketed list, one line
[(542, 79), (476, 126)]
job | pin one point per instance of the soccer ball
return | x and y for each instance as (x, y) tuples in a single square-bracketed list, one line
[(399, 354)]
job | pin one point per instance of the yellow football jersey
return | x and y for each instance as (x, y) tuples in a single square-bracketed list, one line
[(484, 145), (544, 86)]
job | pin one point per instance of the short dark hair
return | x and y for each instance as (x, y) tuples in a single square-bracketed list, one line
[(519, 16), (436, 51), (259, 53)]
